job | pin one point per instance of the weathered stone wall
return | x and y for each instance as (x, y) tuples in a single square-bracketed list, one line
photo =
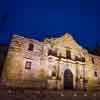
[(94, 73), (43, 64), (85, 69), (18, 53)]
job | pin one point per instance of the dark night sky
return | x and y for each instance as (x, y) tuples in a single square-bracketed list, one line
[(50, 18)]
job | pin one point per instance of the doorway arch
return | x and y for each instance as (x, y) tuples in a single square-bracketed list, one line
[(68, 79)]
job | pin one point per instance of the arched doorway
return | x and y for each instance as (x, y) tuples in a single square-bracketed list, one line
[(68, 79)]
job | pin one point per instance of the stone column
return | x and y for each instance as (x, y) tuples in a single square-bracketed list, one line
[(77, 79)]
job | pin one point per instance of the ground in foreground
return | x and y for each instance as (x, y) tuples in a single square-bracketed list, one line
[(31, 94)]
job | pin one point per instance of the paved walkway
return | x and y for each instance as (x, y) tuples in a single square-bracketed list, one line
[(30, 94)]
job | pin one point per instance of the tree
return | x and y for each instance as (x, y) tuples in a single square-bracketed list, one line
[(97, 49)]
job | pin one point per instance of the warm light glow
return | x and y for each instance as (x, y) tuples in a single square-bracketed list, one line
[(49, 72)]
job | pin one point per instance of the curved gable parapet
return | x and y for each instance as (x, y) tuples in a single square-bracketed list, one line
[(65, 41)]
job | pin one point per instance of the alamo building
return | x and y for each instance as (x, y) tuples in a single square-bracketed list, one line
[(55, 63)]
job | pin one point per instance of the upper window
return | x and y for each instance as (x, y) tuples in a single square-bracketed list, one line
[(49, 52), (68, 54), (83, 59), (28, 65), (95, 74), (52, 52), (30, 47), (92, 60)]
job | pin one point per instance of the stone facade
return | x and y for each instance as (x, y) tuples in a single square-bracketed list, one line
[(56, 63)]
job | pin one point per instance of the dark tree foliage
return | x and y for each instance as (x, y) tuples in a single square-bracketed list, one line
[(3, 52), (97, 49)]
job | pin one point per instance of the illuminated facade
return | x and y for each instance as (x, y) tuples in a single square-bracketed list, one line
[(56, 63)]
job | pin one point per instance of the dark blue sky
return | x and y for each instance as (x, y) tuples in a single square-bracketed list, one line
[(49, 18)]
